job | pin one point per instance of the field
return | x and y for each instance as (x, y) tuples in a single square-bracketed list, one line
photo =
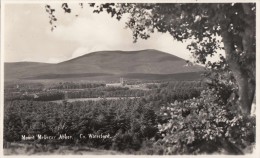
[(92, 99), (76, 115), (80, 107), (128, 117)]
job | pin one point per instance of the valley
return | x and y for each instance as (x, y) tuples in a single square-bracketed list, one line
[(120, 94)]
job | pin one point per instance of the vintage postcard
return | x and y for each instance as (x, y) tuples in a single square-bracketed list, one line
[(140, 78)]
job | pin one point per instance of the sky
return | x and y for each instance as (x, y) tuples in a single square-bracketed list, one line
[(28, 35)]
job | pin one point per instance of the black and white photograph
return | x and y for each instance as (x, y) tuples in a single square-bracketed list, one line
[(129, 78)]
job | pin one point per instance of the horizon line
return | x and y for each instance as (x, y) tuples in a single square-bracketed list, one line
[(28, 61)]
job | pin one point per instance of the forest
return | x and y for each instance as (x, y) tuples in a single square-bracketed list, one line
[(156, 121)]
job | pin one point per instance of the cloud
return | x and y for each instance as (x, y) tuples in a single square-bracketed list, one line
[(97, 32), (103, 33), (54, 60), (79, 52), (74, 36), (92, 29)]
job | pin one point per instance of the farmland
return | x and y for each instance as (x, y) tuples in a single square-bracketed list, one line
[(130, 114), (102, 103)]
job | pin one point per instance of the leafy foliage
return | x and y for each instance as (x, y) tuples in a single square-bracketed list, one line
[(174, 118), (205, 125)]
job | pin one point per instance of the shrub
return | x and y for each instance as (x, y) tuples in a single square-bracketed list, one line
[(205, 125)]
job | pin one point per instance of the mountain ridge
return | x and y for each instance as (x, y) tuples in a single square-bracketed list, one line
[(118, 52), (148, 61)]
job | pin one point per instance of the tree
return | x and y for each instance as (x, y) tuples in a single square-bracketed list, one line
[(203, 24)]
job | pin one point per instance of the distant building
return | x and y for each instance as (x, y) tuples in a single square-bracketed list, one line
[(120, 84)]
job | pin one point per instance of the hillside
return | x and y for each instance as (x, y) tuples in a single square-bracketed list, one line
[(135, 64)]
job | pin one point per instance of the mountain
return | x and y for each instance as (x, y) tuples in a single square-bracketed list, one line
[(103, 64)]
